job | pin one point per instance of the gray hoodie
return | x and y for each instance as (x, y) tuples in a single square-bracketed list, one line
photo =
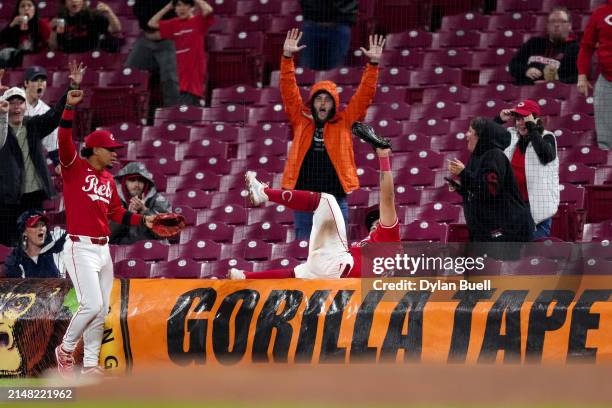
[(154, 201)]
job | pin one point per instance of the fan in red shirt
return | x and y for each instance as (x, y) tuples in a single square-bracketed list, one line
[(329, 255), (90, 196), (187, 31)]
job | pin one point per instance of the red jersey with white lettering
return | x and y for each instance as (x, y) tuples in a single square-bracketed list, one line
[(90, 196), (380, 234), (188, 37)]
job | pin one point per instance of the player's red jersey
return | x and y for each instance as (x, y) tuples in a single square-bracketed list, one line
[(90, 196), (379, 234)]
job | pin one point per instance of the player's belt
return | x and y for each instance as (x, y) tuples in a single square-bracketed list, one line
[(90, 240)]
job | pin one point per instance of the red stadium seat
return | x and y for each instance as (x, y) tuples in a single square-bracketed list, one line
[(232, 67), (198, 250), (489, 109), (203, 180), (275, 113), (219, 269), (242, 40), (576, 173), (218, 131), (248, 23), (284, 263), (438, 76), (415, 176), (597, 232), (182, 268), (596, 266), (151, 148), (192, 198), (229, 214), (395, 76), (441, 195), (492, 57), (132, 269), (409, 39), (424, 231), (504, 92), (407, 195), (274, 214), (422, 158), (295, 249), (410, 143), (238, 94), (215, 231), (438, 212), (146, 250), (126, 131), (52, 60), (248, 249), (465, 21), (397, 15), (456, 142), (575, 122), (577, 105), (531, 266), (494, 75), (513, 21), (574, 195), (429, 126), (502, 39), (598, 203), (162, 165), (440, 109), (453, 93), (448, 58), (248, 7), (179, 114), (504, 6), (589, 155), (267, 147), (551, 89), (204, 148), (211, 164), (175, 132), (459, 39), (406, 58)]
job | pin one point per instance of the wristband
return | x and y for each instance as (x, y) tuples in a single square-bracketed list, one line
[(384, 163)]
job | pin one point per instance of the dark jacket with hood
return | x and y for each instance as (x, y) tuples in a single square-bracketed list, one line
[(493, 207), (538, 52), (12, 168), (155, 203), (20, 265)]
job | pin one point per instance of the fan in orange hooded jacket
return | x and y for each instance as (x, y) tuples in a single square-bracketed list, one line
[(335, 131)]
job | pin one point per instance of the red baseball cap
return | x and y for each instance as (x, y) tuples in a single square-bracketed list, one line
[(527, 107), (33, 220), (102, 138)]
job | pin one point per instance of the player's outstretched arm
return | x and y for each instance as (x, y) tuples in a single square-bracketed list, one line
[(388, 215), (67, 151)]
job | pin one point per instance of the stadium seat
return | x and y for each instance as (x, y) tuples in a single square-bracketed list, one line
[(215, 231), (415, 176), (397, 15), (283, 263), (572, 194), (589, 155), (437, 76), (407, 195), (232, 197), (409, 39), (492, 57), (249, 7), (489, 109), (238, 94), (578, 105), (502, 39), (192, 198), (51, 60), (531, 266), (458, 233), (146, 250), (597, 249), (248, 249), (266, 231), (596, 266), (440, 194), (603, 175), (438, 110), (499, 74), (266, 114), (182, 268), (448, 58), (219, 269), (460, 38), (424, 231), (456, 142), (597, 232), (454, 93), (465, 21), (512, 21), (175, 132), (151, 149), (428, 126), (410, 143), (203, 180), (395, 76), (126, 131), (202, 149), (575, 122), (197, 250), (503, 92), (132, 269), (218, 131), (438, 212), (242, 40), (406, 58), (504, 6), (190, 214), (162, 165), (229, 214), (295, 249), (576, 173), (244, 23), (551, 89), (179, 114), (598, 203), (278, 214)]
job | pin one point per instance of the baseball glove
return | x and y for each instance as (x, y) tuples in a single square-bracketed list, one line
[(168, 225)]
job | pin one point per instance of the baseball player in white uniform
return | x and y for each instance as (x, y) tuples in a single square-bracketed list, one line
[(91, 199)]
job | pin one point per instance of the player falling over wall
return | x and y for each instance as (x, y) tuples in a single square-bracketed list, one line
[(329, 255)]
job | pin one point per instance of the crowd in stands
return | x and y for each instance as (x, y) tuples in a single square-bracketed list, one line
[(513, 136)]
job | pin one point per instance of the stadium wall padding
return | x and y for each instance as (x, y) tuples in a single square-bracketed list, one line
[(181, 323)]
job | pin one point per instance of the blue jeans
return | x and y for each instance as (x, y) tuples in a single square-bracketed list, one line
[(302, 221), (327, 45), (542, 230)]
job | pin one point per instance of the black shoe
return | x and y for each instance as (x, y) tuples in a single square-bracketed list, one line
[(368, 135)]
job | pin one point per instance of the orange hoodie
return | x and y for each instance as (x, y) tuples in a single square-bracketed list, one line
[(337, 131)]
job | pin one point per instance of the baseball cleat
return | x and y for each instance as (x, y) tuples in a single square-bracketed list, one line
[(65, 362), (235, 274), (368, 135), (92, 372), (256, 188)]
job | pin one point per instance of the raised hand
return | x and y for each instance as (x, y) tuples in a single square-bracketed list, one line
[(377, 42), (103, 7), (291, 42), (4, 106), (76, 72), (2, 87), (74, 97), (505, 115)]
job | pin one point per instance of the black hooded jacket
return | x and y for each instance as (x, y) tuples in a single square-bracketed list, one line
[(20, 265), (494, 210)]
